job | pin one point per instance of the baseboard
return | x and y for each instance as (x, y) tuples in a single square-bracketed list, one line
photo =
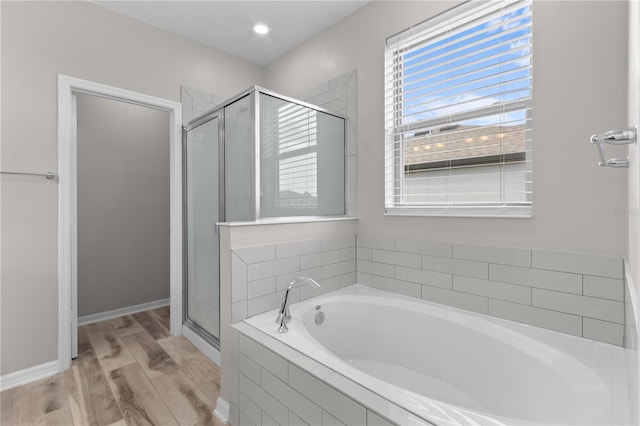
[(212, 353), (222, 410), (128, 310), (28, 375)]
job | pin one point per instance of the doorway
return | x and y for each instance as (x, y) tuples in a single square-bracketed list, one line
[(122, 208), (68, 88)]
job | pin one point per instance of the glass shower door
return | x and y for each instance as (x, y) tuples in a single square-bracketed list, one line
[(202, 211)]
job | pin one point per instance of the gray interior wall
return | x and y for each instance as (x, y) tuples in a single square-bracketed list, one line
[(123, 204), (579, 88), (39, 41)]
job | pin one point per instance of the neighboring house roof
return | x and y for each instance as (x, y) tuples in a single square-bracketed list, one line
[(454, 143)]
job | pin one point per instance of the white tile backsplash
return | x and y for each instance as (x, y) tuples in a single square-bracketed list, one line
[(604, 331), (396, 258), (605, 288), (497, 255), (396, 286), (430, 248), (298, 248), (552, 320), (376, 268), (592, 307), (420, 276), (493, 289), (319, 259), (456, 299), (382, 243), (239, 274), (260, 285), (256, 271), (601, 266), (257, 254), (336, 243), (551, 289), (539, 278), (465, 268)]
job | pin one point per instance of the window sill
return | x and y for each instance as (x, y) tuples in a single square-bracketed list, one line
[(523, 212)]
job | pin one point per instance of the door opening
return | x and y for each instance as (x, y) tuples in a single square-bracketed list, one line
[(68, 87)]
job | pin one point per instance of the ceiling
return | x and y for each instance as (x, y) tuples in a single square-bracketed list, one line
[(228, 25)]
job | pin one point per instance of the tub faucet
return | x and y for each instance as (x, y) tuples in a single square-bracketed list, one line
[(284, 316)]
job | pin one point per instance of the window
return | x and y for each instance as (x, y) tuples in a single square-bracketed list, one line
[(302, 160), (458, 113)]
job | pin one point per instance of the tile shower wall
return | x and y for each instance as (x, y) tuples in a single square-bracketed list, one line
[(196, 102), (340, 95), (578, 294), (261, 274)]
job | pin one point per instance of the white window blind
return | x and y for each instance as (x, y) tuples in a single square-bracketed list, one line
[(458, 113)]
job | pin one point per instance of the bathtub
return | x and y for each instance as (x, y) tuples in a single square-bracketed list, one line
[(453, 367)]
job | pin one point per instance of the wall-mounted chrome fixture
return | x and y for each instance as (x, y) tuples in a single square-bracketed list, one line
[(614, 137), (283, 314)]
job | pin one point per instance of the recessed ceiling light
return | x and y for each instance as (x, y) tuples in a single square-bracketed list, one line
[(261, 29)]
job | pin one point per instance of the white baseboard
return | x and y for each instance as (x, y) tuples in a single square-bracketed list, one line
[(28, 375), (222, 410), (101, 316), (212, 353)]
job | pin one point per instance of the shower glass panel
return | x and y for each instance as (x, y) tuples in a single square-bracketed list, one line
[(238, 161), (301, 160), (257, 155), (202, 207)]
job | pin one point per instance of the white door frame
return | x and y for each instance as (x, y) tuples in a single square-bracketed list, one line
[(67, 207)]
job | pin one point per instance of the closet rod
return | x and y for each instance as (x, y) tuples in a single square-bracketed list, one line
[(48, 175)]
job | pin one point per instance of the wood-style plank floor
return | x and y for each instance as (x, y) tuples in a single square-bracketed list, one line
[(129, 371)]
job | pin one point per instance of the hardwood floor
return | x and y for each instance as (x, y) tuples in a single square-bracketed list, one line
[(129, 371)]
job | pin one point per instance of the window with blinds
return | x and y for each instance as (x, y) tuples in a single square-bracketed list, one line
[(302, 160), (458, 113)]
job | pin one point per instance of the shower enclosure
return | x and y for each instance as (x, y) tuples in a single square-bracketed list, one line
[(258, 155)]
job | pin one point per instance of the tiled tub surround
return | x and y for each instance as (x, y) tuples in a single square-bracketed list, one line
[(578, 294), (260, 274), (445, 365), (279, 385)]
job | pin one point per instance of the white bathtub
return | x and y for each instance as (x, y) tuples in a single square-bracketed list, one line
[(450, 366)]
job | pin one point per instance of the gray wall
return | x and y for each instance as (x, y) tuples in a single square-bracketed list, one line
[(123, 205), (576, 91), (40, 40)]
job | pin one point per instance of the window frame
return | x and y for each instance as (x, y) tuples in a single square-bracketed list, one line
[(395, 173)]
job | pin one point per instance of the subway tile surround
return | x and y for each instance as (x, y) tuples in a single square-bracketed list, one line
[(578, 294), (261, 274), (278, 385), (549, 289)]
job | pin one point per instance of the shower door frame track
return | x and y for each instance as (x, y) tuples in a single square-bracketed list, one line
[(218, 113)]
